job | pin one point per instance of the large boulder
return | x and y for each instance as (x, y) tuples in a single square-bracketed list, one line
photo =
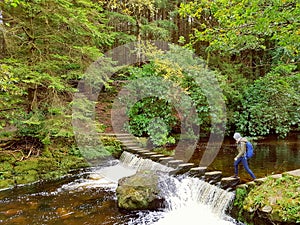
[(140, 191)]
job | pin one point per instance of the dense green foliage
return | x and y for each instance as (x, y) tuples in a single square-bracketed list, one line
[(251, 47), (46, 47), (248, 40), (273, 91)]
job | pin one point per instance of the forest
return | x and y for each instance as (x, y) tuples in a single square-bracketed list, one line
[(251, 47)]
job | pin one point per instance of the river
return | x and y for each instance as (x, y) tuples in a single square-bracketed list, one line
[(88, 196)]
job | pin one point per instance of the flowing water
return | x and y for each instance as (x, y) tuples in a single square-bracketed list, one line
[(88, 197), (272, 156)]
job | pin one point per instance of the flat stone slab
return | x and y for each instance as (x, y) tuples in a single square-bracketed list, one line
[(165, 160), (133, 145), (277, 176), (213, 177), (294, 172), (213, 173), (139, 149), (229, 179), (148, 154), (140, 152), (129, 141), (156, 157), (229, 183), (132, 150), (115, 134), (197, 171), (184, 167), (242, 186), (175, 163)]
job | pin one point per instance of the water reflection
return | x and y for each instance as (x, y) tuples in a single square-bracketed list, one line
[(272, 156)]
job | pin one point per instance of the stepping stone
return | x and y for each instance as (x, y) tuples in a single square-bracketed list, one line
[(197, 172), (174, 163), (229, 183), (294, 172), (165, 160), (184, 167), (262, 180), (131, 150), (156, 157), (148, 154), (141, 152), (213, 177)]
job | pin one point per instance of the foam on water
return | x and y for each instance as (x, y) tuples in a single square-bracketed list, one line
[(108, 177), (195, 212), (187, 198)]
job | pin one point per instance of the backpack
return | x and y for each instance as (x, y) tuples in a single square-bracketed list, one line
[(249, 150)]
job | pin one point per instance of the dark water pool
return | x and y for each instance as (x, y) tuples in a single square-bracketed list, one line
[(46, 203), (272, 156)]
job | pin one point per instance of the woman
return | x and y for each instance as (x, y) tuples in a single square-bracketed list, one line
[(241, 157)]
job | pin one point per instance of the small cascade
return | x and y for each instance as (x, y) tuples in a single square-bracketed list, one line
[(187, 198), (132, 161), (190, 199), (108, 177), (182, 192)]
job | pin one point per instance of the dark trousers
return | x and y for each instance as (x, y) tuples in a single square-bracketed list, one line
[(243, 159)]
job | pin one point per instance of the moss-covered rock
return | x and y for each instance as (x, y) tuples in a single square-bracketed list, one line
[(274, 201), (139, 191)]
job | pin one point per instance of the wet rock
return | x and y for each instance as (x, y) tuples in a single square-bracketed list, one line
[(197, 172), (165, 160), (213, 177), (229, 183), (63, 213), (140, 191), (174, 163), (184, 167), (95, 176), (267, 209), (13, 212)]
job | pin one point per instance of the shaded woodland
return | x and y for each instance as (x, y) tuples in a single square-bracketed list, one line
[(252, 47)]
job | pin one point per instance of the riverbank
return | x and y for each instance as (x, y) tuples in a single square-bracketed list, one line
[(47, 163), (47, 166), (271, 200)]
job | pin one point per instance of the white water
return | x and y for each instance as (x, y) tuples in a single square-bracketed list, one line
[(108, 177), (188, 199), (195, 200)]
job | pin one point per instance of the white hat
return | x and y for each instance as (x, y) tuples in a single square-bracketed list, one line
[(237, 136)]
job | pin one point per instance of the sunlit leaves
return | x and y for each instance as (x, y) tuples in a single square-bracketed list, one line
[(230, 24)]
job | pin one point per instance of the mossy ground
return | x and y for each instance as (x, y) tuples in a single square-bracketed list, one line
[(52, 163), (44, 167)]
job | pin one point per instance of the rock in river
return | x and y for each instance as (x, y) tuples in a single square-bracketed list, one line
[(140, 191)]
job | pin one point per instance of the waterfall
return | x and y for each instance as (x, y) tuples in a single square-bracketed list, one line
[(187, 190), (108, 176), (187, 198), (132, 161), (190, 200)]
